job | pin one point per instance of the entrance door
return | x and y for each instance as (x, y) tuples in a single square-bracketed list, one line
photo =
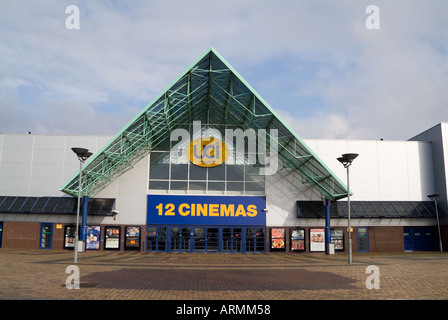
[(175, 239), (227, 243), (232, 240), (185, 239), (156, 239), (180, 239), (419, 239), (46, 230), (205, 239), (260, 240), (237, 239), (199, 239), (250, 240), (363, 239), (212, 239)]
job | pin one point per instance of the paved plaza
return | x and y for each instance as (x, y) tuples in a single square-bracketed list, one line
[(41, 274)]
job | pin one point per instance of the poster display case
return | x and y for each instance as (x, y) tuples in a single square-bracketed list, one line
[(132, 238), (69, 236), (278, 239), (317, 240), (337, 238), (297, 239), (112, 238), (93, 236)]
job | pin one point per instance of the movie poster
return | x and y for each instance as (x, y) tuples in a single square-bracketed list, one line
[(93, 235), (112, 238), (337, 238), (317, 240), (278, 238), (132, 238), (69, 237), (297, 239)]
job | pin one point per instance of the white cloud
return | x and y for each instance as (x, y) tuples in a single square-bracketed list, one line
[(387, 83), (325, 126)]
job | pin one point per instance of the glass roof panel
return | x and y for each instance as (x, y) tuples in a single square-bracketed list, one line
[(210, 91)]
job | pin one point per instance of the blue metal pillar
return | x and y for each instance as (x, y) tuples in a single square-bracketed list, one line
[(327, 204), (85, 202)]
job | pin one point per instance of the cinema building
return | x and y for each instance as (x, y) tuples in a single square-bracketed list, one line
[(208, 166)]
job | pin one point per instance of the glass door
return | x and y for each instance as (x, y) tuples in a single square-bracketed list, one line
[(232, 240), (250, 240), (260, 240), (175, 239), (151, 240), (212, 239), (185, 239), (227, 239), (255, 240), (156, 239), (161, 239), (237, 239), (363, 239), (199, 239), (46, 230)]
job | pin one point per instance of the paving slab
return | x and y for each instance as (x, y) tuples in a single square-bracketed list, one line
[(43, 274)]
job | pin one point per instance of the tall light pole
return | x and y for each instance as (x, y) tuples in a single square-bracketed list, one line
[(347, 160), (82, 155), (434, 197)]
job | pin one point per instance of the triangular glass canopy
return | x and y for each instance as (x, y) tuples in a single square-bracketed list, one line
[(210, 91)]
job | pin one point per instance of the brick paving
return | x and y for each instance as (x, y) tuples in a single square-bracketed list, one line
[(28, 274)]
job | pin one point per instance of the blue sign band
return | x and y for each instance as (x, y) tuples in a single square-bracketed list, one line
[(206, 210)]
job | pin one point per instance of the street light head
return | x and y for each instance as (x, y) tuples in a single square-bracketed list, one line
[(433, 196), (82, 153), (347, 159)]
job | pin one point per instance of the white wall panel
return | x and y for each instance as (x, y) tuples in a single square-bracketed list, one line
[(39, 165), (15, 166), (384, 170), (130, 190), (438, 137), (47, 164)]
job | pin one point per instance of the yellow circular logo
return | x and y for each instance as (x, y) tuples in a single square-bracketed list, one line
[(207, 152)]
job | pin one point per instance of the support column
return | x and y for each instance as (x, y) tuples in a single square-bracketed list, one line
[(327, 204), (85, 202)]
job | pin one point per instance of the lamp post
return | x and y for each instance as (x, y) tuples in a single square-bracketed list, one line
[(82, 155), (434, 197), (347, 160)]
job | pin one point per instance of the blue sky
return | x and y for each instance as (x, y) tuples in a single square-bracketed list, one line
[(314, 62)]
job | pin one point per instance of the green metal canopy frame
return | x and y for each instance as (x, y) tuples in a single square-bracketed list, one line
[(210, 91)]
